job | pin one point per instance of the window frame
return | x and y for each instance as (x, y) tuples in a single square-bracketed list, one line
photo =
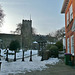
[(71, 12), (72, 44), (67, 18), (68, 46)]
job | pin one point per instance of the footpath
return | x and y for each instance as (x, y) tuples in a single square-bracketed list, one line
[(58, 69)]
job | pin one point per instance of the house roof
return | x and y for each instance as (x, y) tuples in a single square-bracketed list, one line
[(64, 6)]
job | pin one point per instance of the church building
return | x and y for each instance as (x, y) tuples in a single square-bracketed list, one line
[(24, 38)]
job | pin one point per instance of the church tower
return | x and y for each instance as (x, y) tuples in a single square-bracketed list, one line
[(26, 33)]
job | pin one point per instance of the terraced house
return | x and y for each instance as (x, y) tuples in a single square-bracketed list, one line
[(68, 9)]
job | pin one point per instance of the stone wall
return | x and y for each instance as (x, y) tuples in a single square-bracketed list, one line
[(7, 38)]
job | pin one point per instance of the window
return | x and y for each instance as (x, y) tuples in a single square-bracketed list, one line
[(64, 43), (67, 18), (71, 12), (68, 51), (72, 45)]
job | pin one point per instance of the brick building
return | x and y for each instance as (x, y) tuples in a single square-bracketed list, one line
[(68, 9)]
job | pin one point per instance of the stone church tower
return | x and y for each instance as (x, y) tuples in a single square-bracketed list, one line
[(26, 33)]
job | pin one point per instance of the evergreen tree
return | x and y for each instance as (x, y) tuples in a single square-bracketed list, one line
[(14, 45)]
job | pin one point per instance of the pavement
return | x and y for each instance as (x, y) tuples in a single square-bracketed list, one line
[(58, 69)]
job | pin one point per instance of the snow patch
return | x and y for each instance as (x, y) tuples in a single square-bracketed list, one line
[(26, 66), (22, 67)]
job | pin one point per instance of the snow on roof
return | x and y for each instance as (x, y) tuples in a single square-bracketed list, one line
[(34, 42), (64, 6)]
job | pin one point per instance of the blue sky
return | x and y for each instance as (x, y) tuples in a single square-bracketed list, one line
[(45, 14)]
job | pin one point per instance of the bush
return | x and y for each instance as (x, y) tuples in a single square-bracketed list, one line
[(14, 45), (49, 46), (54, 51), (46, 55), (59, 45)]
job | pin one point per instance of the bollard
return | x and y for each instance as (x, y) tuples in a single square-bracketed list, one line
[(7, 55), (0, 65), (31, 55), (0, 54), (23, 56), (15, 56)]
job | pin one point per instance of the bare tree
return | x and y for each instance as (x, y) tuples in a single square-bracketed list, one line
[(33, 31), (1, 16), (60, 33), (18, 29)]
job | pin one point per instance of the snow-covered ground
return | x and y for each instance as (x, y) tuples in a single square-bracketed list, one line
[(26, 66)]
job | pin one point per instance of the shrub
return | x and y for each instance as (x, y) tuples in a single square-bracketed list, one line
[(46, 55), (59, 45), (49, 46), (54, 51), (14, 45)]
